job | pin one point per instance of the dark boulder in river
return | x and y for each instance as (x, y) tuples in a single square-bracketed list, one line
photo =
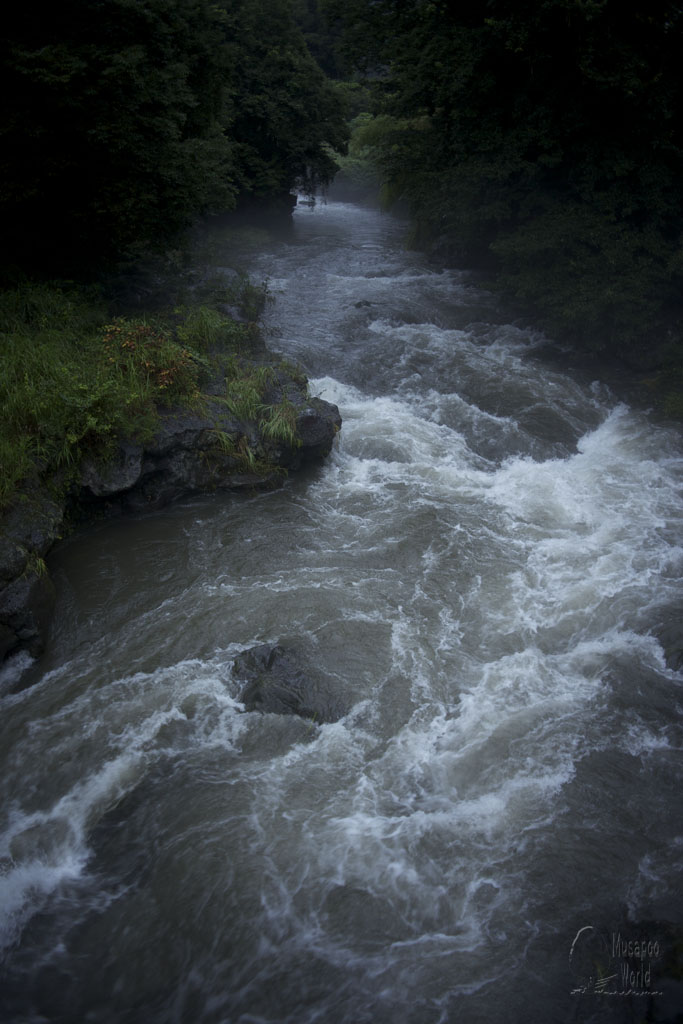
[(280, 679)]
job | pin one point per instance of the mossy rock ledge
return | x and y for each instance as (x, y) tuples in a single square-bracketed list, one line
[(191, 452)]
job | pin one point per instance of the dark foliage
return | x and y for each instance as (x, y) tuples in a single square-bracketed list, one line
[(123, 119), (284, 107), (542, 139)]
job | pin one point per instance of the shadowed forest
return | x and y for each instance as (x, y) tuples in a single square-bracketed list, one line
[(539, 143), (542, 140)]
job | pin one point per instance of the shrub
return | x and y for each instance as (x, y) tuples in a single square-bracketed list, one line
[(72, 384)]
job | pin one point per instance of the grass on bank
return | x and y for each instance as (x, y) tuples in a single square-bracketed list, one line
[(73, 381)]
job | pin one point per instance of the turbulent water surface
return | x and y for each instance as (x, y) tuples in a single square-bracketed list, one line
[(488, 565)]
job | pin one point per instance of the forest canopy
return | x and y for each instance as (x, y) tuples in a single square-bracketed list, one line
[(124, 119), (541, 139)]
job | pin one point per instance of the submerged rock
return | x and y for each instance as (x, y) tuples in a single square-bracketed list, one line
[(280, 679)]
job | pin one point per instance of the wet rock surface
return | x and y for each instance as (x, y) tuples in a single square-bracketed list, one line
[(28, 530), (282, 679), (196, 452), (191, 452)]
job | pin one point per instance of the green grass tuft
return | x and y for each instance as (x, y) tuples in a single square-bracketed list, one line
[(278, 423), (208, 330)]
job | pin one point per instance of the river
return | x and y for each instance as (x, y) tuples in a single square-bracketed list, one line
[(489, 566)]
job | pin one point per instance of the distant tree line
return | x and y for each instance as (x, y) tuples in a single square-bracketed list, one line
[(542, 139), (124, 119)]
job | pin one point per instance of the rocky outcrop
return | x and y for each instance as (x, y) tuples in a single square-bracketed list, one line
[(27, 532), (194, 452), (190, 452), (281, 679)]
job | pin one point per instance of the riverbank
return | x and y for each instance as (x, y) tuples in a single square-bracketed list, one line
[(128, 416), (646, 371)]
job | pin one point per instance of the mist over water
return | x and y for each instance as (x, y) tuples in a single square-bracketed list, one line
[(489, 565)]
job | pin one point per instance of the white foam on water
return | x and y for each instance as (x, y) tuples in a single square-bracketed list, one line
[(600, 528), (13, 669), (41, 849), (437, 782), (385, 437), (24, 888), (116, 731), (641, 741), (494, 620), (483, 381), (492, 745)]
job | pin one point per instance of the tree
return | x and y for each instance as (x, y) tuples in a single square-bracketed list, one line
[(128, 118), (543, 138), (286, 112), (115, 131)]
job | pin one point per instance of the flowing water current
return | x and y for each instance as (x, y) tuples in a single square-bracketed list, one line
[(488, 565)]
